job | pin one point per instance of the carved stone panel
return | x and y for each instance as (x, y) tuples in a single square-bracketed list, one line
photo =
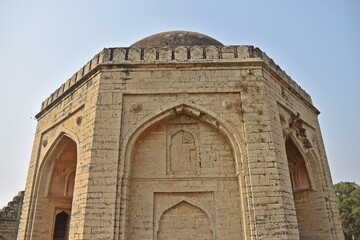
[(182, 148)]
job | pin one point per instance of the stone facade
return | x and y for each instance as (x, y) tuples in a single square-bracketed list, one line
[(179, 142), (10, 218)]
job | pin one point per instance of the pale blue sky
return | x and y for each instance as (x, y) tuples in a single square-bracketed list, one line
[(42, 43)]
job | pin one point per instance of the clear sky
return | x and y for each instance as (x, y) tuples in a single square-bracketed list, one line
[(42, 43)]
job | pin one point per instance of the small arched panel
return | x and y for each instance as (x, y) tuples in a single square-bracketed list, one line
[(185, 220), (55, 188)]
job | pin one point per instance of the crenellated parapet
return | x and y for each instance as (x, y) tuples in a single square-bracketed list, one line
[(177, 55)]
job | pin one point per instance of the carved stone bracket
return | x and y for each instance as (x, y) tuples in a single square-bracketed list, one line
[(294, 124)]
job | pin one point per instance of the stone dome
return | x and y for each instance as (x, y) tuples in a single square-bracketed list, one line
[(176, 38)]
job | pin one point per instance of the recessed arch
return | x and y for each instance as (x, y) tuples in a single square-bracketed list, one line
[(55, 184), (298, 171), (193, 202), (306, 164), (132, 141), (304, 170), (47, 163), (61, 159), (187, 219), (194, 111)]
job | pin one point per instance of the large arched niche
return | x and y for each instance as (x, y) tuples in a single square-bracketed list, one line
[(194, 112), (149, 179), (303, 169), (55, 185)]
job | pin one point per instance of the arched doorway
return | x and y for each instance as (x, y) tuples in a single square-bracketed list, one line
[(61, 229)]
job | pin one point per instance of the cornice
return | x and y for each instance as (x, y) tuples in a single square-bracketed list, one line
[(179, 57)]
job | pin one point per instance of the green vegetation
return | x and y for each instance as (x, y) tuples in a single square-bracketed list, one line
[(348, 199)]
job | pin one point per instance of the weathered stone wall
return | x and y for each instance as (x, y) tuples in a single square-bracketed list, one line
[(73, 118), (199, 133), (316, 208), (10, 217)]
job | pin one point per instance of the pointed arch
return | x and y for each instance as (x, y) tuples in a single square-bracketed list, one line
[(139, 131), (303, 178), (49, 163), (301, 163), (195, 112), (54, 184), (186, 218), (192, 202)]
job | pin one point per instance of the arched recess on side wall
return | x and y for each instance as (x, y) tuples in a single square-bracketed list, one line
[(299, 165), (194, 112), (304, 171), (58, 168), (55, 186)]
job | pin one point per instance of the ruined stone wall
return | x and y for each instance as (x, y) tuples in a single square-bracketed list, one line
[(10, 217)]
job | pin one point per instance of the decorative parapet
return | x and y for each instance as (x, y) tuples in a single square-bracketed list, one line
[(181, 54)]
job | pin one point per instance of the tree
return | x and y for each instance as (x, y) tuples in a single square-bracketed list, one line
[(348, 199)]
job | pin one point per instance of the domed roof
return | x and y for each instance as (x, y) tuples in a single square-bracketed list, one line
[(175, 39)]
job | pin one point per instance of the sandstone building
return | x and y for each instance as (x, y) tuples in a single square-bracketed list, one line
[(179, 137)]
